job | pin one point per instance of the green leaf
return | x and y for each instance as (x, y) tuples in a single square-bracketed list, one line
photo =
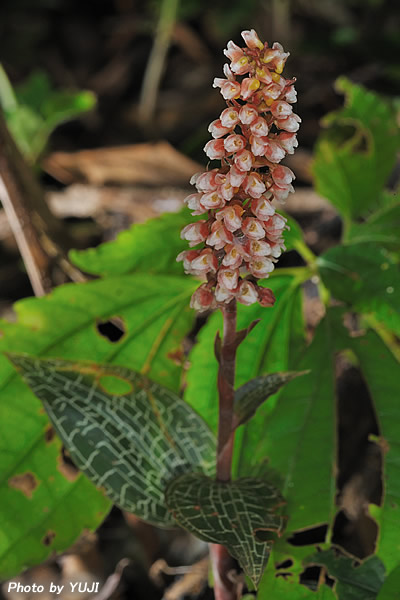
[(150, 247), (354, 159), (285, 587), (381, 373), (391, 587), (250, 396), (129, 442), (361, 582), (381, 227), (36, 488), (365, 277), (298, 436), (236, 514)]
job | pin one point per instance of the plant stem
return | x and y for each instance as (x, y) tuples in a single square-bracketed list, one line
[(222, 563)]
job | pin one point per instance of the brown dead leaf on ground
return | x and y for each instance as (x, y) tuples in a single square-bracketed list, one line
[(145, 164)]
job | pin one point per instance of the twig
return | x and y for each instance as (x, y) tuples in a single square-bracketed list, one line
[(154, 69), (33, 225), (112, 582)]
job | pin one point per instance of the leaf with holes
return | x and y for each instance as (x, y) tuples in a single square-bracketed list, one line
[(355, 582), (356, 156), (150, 247), (250, 396), (37, 489), (128, 434), (241, 515)]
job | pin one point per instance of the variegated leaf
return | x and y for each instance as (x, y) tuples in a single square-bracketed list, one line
[(250, 396), (240, 515), (128, 434)]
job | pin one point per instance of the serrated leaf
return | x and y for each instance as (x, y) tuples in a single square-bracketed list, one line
[(351, 172), (155, 317), (150, 247), (130, 442), (298, 438), (354, 582), (381, 227), (250, 396), (381, 373), (365, 277), (235, 514), (391, 586)]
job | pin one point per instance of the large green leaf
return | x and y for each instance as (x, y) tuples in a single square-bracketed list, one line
[(128, 434), (391, 587), (282, 587), (381, 372), (351, 171), (37, 490), (353, 582), (381, 227), (236, 514), (365, 277), (150, 247), (298, 437)]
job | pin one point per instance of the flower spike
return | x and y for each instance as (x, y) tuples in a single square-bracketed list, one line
[(241, 238)]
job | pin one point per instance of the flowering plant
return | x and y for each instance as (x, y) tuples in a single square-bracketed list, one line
[(265, 489), (243, 233)]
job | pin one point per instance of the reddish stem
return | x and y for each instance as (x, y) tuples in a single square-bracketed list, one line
[(222, 562)]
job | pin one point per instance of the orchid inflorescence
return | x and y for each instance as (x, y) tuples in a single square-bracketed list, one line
[(242, 235)]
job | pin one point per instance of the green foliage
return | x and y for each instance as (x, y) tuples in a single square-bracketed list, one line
[(286, 444), (35, 109), (155, 317), (129, 442), (250, 396), (391, 586), (355, 157), (236, 514)]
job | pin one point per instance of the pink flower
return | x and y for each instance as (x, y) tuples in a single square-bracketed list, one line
[(232, 259), (195, 233), (212, 200), (244, 161), (231, 215), (261, 266), (228, 278), (288, 141), (248, 114), (266, 297), (253, 228), (229, 117), (291, 123), (235, 243), (202, 299), (236, 176), (282, 175), (215, 149), (252, 40), (219, 236), (262, 208), (281, 109), (193, 203), (217, 130), (273, 151), (247, 294), (248, 87), (234, 143), (254, 185), (259, 127)]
